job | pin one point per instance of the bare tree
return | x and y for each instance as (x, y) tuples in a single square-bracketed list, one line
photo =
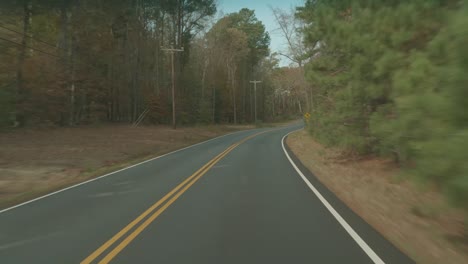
[(291, 28)]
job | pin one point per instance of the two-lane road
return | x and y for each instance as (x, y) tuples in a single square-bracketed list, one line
[(233, 199)]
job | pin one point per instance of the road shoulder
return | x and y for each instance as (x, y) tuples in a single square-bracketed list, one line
[(369, 188), (38, 162)]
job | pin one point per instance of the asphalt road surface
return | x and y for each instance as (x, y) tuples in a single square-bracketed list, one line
[(233, 199)]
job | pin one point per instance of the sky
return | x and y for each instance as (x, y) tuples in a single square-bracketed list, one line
[(264, 14)]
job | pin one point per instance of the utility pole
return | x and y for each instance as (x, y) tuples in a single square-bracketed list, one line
[(255, 97), (172, 51)]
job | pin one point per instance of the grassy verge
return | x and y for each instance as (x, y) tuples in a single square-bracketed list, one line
[(35, 163), (82, 177)]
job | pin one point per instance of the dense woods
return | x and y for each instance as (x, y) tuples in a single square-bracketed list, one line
[(69, 63), (390, 78)]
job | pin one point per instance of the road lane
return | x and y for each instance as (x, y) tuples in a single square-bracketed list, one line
[(68, 226), (140, 223), (250, 207)]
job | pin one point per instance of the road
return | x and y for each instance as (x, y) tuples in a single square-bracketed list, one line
[(233, 199)]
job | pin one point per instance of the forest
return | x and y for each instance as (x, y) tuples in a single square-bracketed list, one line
[(389, 78), (80, 62)]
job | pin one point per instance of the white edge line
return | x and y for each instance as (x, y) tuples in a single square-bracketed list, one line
[(366, 248), (117, 171)]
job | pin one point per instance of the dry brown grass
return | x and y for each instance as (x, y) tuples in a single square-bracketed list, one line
[(34, 162), (418, 222)]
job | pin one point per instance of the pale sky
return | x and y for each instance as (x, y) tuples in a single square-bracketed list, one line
[(264, 14)]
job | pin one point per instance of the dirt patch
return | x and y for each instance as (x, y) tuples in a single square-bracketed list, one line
[(417, 221), (34, 162)]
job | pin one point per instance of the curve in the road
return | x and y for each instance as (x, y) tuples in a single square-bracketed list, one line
[(249, 207), (362, 244), (161, 204)]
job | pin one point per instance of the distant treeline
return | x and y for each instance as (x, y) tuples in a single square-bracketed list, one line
[(72, 62)]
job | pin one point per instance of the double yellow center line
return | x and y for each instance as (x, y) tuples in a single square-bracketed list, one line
[(160, 205)]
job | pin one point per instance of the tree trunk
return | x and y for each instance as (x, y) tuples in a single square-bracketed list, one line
[(273, 107), (263, 103), (205, 67), (110, 85), (65, 44), (71, 64), (72, 94), (19, 117), (214, 104), (179, 43), (306, 90), (233, 80)]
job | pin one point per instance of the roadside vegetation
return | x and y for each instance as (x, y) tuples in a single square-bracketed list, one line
[(389, 78), (386, 81), (72, 63)]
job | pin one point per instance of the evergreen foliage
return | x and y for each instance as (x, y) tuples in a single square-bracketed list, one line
[(390, 77)]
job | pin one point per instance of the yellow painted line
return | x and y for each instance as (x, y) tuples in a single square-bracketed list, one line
[(187, 183), (148, 221), (122, 232)]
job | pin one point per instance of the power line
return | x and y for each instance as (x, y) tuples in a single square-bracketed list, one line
[(5, 46), (49, 54), (11, 21), (7, 85), (38, 50), (38, 40)]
